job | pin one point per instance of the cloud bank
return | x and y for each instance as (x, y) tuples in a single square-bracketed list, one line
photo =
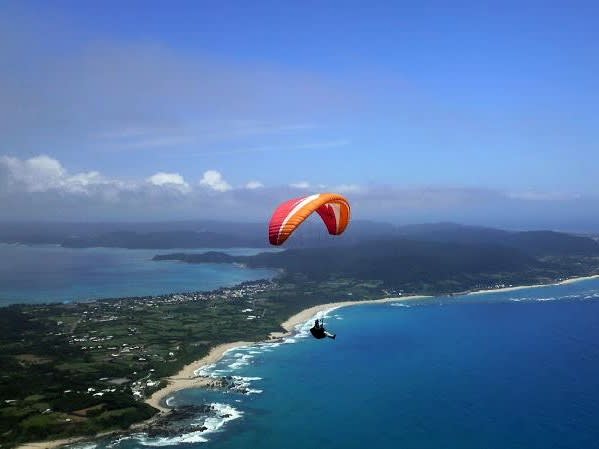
[(41, 188)]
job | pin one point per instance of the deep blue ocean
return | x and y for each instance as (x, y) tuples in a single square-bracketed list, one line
[(515, 369), (50, 273)]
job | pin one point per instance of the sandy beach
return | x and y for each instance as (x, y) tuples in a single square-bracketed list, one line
[(186, 377), (308, 314), (573, 280), (522, 287), (51, 444)]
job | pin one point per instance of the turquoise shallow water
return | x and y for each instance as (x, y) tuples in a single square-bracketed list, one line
[(504, 370), (45, 273)]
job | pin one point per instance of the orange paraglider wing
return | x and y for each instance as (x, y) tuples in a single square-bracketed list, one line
[(333, 209)]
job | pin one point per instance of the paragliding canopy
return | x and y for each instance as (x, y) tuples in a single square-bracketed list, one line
[(333, 209)]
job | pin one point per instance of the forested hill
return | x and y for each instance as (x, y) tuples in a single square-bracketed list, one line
[(429, 266), (207, 234), (531, 242), (381, 259)]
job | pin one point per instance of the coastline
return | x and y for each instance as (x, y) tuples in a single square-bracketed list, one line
[(52, 444), (577, 279), (307, 314), (523, 287), (186, 377)]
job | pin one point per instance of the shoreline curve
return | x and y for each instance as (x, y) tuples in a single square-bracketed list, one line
[(186, 377)]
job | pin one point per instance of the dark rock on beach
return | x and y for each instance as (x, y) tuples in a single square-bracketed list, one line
[(180, 420)]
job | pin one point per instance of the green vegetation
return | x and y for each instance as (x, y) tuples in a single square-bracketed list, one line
[(79, 369), (430, 267)]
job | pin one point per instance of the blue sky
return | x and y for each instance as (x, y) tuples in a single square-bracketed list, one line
[(474, 97)]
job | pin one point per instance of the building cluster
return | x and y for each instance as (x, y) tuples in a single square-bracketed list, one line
[(126, 343)]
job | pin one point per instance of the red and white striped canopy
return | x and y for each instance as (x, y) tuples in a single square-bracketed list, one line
[(333, 209)]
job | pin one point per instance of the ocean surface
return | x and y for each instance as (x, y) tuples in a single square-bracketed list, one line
[(505, 370), (50, 273)]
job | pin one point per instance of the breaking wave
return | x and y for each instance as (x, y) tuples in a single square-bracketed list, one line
[(579, 297), (224, 413)]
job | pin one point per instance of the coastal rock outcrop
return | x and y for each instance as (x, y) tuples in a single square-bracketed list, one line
[(229, 383), (181, 420)]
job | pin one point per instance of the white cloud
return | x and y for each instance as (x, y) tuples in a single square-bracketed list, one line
[(215, 181), (43, 173), (300, 185), (254, 185), (173, 180), (33, 175), (42, 188)]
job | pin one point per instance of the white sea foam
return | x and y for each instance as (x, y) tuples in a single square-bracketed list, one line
[(253, 391), (247, 378), (84, 446), (236, 348), (170, 401), (243, 383), (302, 330), (204, 370), (120, 439), (242, 360), (547, 299), (399, 304), (192, 437), (238, 358), (224, 413)]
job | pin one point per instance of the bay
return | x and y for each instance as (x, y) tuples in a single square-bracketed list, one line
[(514, 369), (51, 273)]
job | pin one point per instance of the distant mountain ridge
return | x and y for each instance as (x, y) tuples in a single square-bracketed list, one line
[(163, 240), (439, 257), (215, 234), (533, 242)]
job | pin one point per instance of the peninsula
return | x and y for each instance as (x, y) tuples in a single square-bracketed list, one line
[(72, 370)]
